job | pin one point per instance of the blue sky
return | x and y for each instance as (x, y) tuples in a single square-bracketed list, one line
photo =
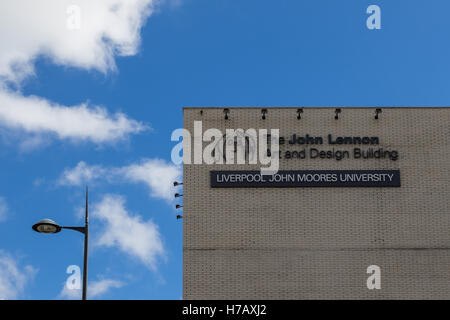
[(190, 53)]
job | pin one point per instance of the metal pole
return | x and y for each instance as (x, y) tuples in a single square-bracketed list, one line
[(86, 236)]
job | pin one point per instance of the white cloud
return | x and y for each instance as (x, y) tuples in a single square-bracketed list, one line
[(100, 287), (95, 289), (36, 115), (49, 28), (3, 209), (81, 174), (13, 279), (157, 174), (135, 237)]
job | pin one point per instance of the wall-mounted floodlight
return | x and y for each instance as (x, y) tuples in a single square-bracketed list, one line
[(179, 217), (337, 111), (226, 111), (264, 112), (299, 113), (178, 206), (177, 183), (377, 112), (177, 195)]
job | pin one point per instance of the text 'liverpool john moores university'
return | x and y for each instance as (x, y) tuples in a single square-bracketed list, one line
[(307, 178)]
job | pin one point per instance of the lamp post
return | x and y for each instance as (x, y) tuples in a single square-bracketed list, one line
[(50, 226)]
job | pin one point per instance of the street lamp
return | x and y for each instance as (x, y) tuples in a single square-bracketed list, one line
[(50, 226)]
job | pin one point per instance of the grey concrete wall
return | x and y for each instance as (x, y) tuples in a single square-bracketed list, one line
[(311, 243)]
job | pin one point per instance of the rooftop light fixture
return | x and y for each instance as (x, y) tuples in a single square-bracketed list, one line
[(377, 112), (264, 112), (337, 111)]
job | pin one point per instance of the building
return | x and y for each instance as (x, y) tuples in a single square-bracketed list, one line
[(317, 239)]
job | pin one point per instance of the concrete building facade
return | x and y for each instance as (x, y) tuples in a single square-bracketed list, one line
[(318, 242)]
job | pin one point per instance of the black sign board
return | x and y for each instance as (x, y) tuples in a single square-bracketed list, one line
[(306, 178)]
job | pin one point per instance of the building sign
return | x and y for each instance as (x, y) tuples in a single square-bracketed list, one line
[(306, 178), (310, 150), (307, 146)]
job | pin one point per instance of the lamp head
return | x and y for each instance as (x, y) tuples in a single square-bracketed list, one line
[(46, 226)]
